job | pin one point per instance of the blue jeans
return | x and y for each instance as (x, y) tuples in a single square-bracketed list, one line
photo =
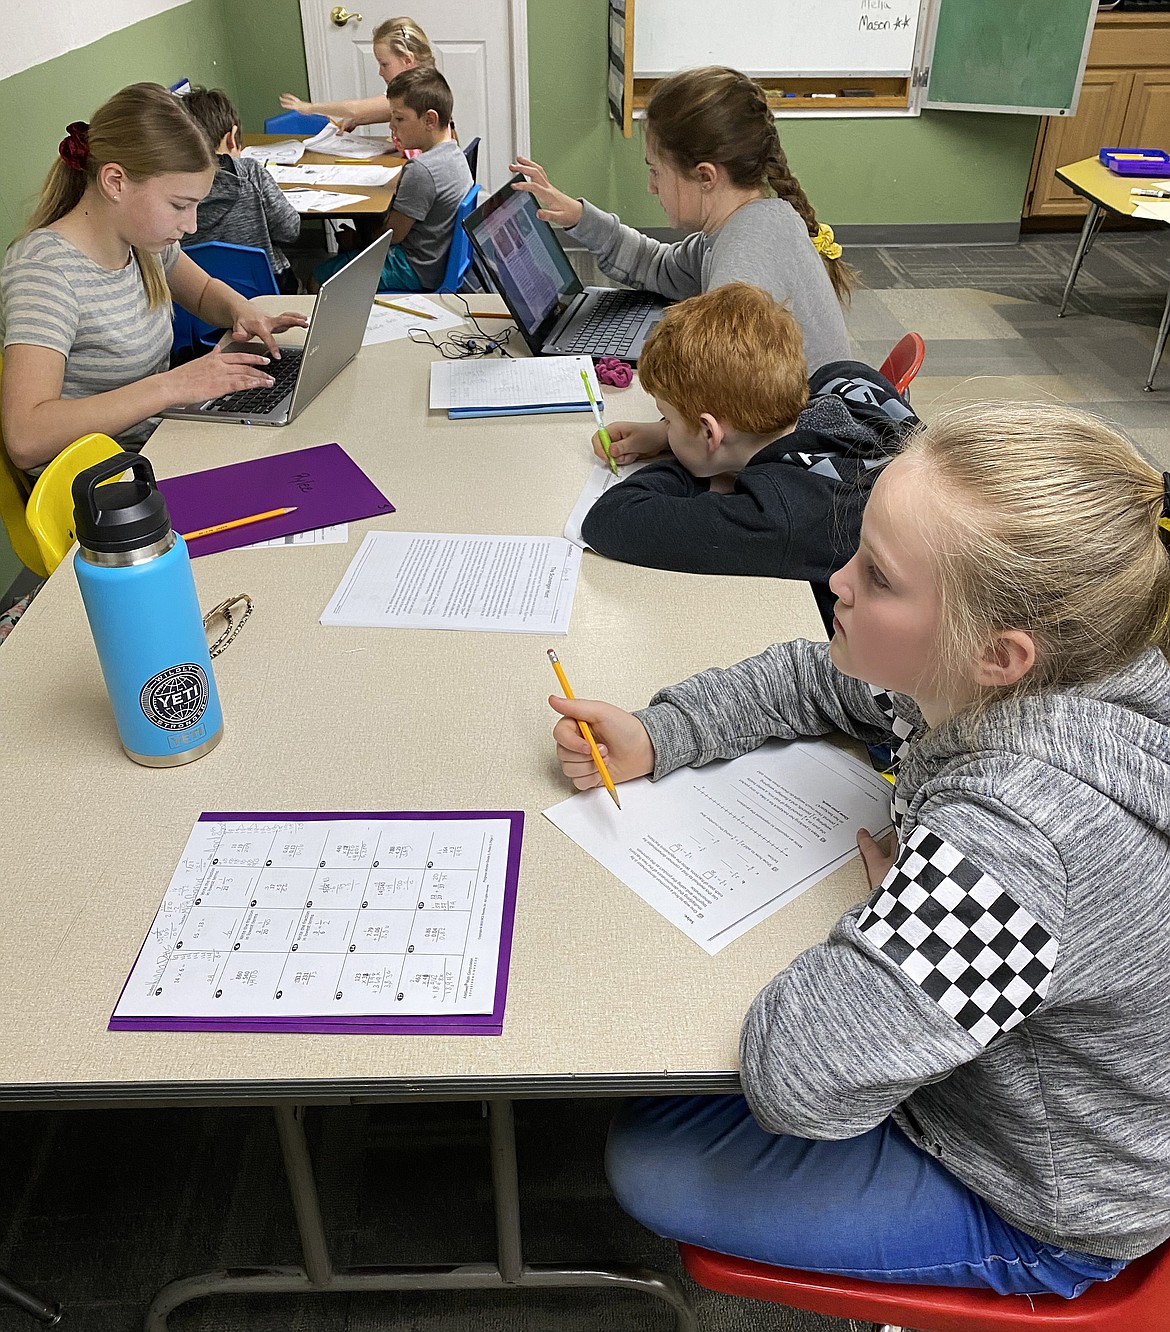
[(700, 1169), (397, 274)]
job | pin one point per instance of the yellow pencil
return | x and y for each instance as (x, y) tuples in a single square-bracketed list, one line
[(406, 309), (583, 727), (238, 522)]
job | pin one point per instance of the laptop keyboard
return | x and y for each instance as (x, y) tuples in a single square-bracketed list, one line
[(613, 323), (260, 400)]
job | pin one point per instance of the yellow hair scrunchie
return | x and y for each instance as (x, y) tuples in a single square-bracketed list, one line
[(824, 242)]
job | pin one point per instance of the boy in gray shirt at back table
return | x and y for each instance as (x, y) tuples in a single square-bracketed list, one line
[(430, 189), (245, 205)]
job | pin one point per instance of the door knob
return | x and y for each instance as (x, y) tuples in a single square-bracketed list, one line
[(341, 16)]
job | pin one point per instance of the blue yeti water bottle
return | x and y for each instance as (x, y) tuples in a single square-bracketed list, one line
[(135, 578)]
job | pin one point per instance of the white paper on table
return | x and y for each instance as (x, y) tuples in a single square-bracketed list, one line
[(439, 580), (526, 381), (386, 325), (718, 849), (286, 153), (321, 201), (332, 142), (1157, 210), (600, 479), (336, 534), (333, 173), (327, 918)]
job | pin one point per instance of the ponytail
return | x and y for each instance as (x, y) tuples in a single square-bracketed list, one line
[(145, 129), (719, 115), (785, 186)]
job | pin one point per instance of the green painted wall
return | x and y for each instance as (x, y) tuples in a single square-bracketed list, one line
[(941, 167)]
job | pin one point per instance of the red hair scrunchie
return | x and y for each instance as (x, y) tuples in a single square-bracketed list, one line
[(74, 148)]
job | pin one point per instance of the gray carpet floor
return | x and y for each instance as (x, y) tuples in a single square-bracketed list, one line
[(100, 1208)]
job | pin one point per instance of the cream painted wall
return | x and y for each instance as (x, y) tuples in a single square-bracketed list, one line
[(42, 32)]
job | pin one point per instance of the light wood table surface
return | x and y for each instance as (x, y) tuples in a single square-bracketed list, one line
[(604, 995), (1106, 193), (375, 200)]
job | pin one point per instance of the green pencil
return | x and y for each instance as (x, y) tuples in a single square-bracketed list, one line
[(602, 433)]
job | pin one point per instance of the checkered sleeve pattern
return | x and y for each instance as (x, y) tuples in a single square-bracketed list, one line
[(960, 937)]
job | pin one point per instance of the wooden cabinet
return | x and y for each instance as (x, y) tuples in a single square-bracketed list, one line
[(1125, 101)]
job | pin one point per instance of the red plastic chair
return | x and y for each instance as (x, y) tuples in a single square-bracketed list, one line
[(1138, 1300), (905, 361)]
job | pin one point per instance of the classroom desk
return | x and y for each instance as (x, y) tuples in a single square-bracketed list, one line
[(374, 201), (604, 996), (1106, 193)]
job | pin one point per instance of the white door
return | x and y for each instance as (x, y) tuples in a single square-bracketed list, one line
[(481, 46)]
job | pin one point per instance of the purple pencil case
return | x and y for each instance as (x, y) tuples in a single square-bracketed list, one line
[(1135, 161)]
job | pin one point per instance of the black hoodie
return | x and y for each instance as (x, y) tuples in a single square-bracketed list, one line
[(795, 511)]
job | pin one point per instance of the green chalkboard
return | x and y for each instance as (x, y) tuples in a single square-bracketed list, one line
[(1008, 55)]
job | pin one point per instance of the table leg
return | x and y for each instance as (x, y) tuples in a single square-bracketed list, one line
[(509, 1272), (1159, 344), (1093, 220)]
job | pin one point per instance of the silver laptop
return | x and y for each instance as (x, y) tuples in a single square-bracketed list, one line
[(555, 313), (338, 324)]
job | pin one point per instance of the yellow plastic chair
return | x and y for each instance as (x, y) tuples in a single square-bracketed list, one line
[(49, 512)]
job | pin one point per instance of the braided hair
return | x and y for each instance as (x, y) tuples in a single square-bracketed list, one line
[(718, 115)]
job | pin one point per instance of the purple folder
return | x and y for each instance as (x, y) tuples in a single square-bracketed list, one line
[(324, 483), (459, 1024)]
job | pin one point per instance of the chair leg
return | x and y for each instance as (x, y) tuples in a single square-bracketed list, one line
[(31, 1304), (1159, 344)]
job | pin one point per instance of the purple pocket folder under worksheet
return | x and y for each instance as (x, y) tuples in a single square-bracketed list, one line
[(461, 1024), (324, 484)]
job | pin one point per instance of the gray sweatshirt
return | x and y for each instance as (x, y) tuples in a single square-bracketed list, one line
[(764, 243), (1003, 992), (247, 207)]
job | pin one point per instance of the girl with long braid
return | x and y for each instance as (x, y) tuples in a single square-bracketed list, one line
[(721, 175)]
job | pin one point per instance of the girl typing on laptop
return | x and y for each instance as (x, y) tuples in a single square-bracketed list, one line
[(86, 290)]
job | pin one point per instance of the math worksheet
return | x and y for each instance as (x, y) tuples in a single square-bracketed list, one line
[(370, 922), (333, 173), (718, 849), (320, 201), (600, 479), (436, 580)]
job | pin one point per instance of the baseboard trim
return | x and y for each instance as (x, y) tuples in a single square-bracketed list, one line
[(894, 234)]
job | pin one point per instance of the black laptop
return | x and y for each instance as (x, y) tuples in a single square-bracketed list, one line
[(557, 316)]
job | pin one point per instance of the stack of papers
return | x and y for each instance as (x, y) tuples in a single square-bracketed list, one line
[(517, 387), (322, 201), (287, 152), (332, 142), (332, 173)]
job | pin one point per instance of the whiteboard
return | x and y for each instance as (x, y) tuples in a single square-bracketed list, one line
[(766, 37)]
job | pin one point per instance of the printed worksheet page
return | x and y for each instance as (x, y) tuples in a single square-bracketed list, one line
[(718, 849), (437, 580)]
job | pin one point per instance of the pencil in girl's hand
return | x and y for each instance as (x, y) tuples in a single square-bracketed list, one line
[(583, 727), (602, 433)]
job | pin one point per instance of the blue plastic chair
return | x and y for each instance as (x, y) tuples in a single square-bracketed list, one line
[(245, 268), (295, 122), (459, 255)]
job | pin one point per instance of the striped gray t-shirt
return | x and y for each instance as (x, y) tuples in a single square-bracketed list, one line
[(52, 295)]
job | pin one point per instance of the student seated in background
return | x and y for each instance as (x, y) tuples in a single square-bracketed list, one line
[(968, 1082), (86, 289), (398, 44), (245, 205), (430, 189), (770, 472), (721, 175)]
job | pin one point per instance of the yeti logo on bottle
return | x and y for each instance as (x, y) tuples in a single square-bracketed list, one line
[(175, 698)]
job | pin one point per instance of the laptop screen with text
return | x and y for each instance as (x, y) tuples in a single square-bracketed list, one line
[(527, 260)]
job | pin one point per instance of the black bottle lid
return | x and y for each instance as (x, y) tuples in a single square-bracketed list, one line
[(123, 515)]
